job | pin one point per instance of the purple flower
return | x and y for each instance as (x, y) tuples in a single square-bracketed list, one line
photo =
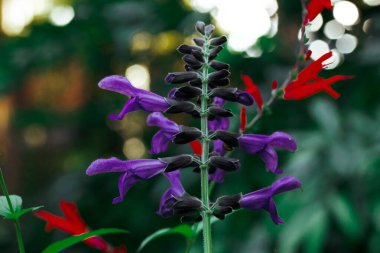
[(170, 131), (141, 99), (161, 139), (264, 145), (263, 199), (219, 123), (168, 199), (134, 171), (218, 175)]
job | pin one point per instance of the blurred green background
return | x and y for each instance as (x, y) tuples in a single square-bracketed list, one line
[(53, 118)]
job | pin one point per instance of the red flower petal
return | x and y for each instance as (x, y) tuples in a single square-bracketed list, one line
[(253, 90), (315, 7), (73, 224), (197, 147), (243, 119), (274, 85)]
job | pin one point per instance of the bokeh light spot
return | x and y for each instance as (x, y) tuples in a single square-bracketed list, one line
[(61, 15), (372, 2), (316, 24), (35, 136), (346, 13), (318, 48), (346, 44), (333, 30), (134, 148), (139, 76)]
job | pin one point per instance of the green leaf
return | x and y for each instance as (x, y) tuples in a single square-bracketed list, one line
[(18, 214), (182, 229), (16, 202), (63, 244), (346, 216)]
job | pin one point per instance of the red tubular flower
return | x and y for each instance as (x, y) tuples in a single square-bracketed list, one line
[(308, 55), (253, 90), (73, 224), (274, 85), (315, 7), (308, 83), (197, 147), (243, 119)]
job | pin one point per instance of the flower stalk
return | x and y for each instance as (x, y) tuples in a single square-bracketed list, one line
[(16, 221), (207, 242)]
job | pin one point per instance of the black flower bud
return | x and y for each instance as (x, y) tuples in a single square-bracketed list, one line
[(218, 82), (196, 82), (224, 163), (218, 41), (192, 61), (186, 49), (226, 204), (221, 74), (218, 65), (233, 95), (187, 134), (186, 204), (177, 162), (181, 77), (185, 93), (200, 27), (180, 106), (209, 29), (199, 41), (198, 55), (231, 139), (219, 112)]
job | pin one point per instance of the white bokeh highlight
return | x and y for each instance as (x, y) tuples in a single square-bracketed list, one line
[(346, 13)]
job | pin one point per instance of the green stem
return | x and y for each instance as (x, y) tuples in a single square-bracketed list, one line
[(19, 236), (16, 221), (5, 191), (207, 244)]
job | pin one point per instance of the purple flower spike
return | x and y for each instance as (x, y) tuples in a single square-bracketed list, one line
[(264, 145), (168, 199), (161, 139), (140, 99), (263, 199)]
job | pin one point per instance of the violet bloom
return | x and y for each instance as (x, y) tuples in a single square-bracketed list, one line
[(219, 123), (170, 131), (263, 199), (218, 175), (168, 199), (264, 145), (134, 171), (141, 99)]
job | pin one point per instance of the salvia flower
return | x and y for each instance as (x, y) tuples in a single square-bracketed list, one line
[(73, 224), (309, 83), (170, 132), (261, 145), (168, 199), (261, 199), (175, 201), (133, 171), (253, 90), (142, 99)]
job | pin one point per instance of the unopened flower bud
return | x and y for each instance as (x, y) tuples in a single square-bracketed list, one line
[(218, 41)]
